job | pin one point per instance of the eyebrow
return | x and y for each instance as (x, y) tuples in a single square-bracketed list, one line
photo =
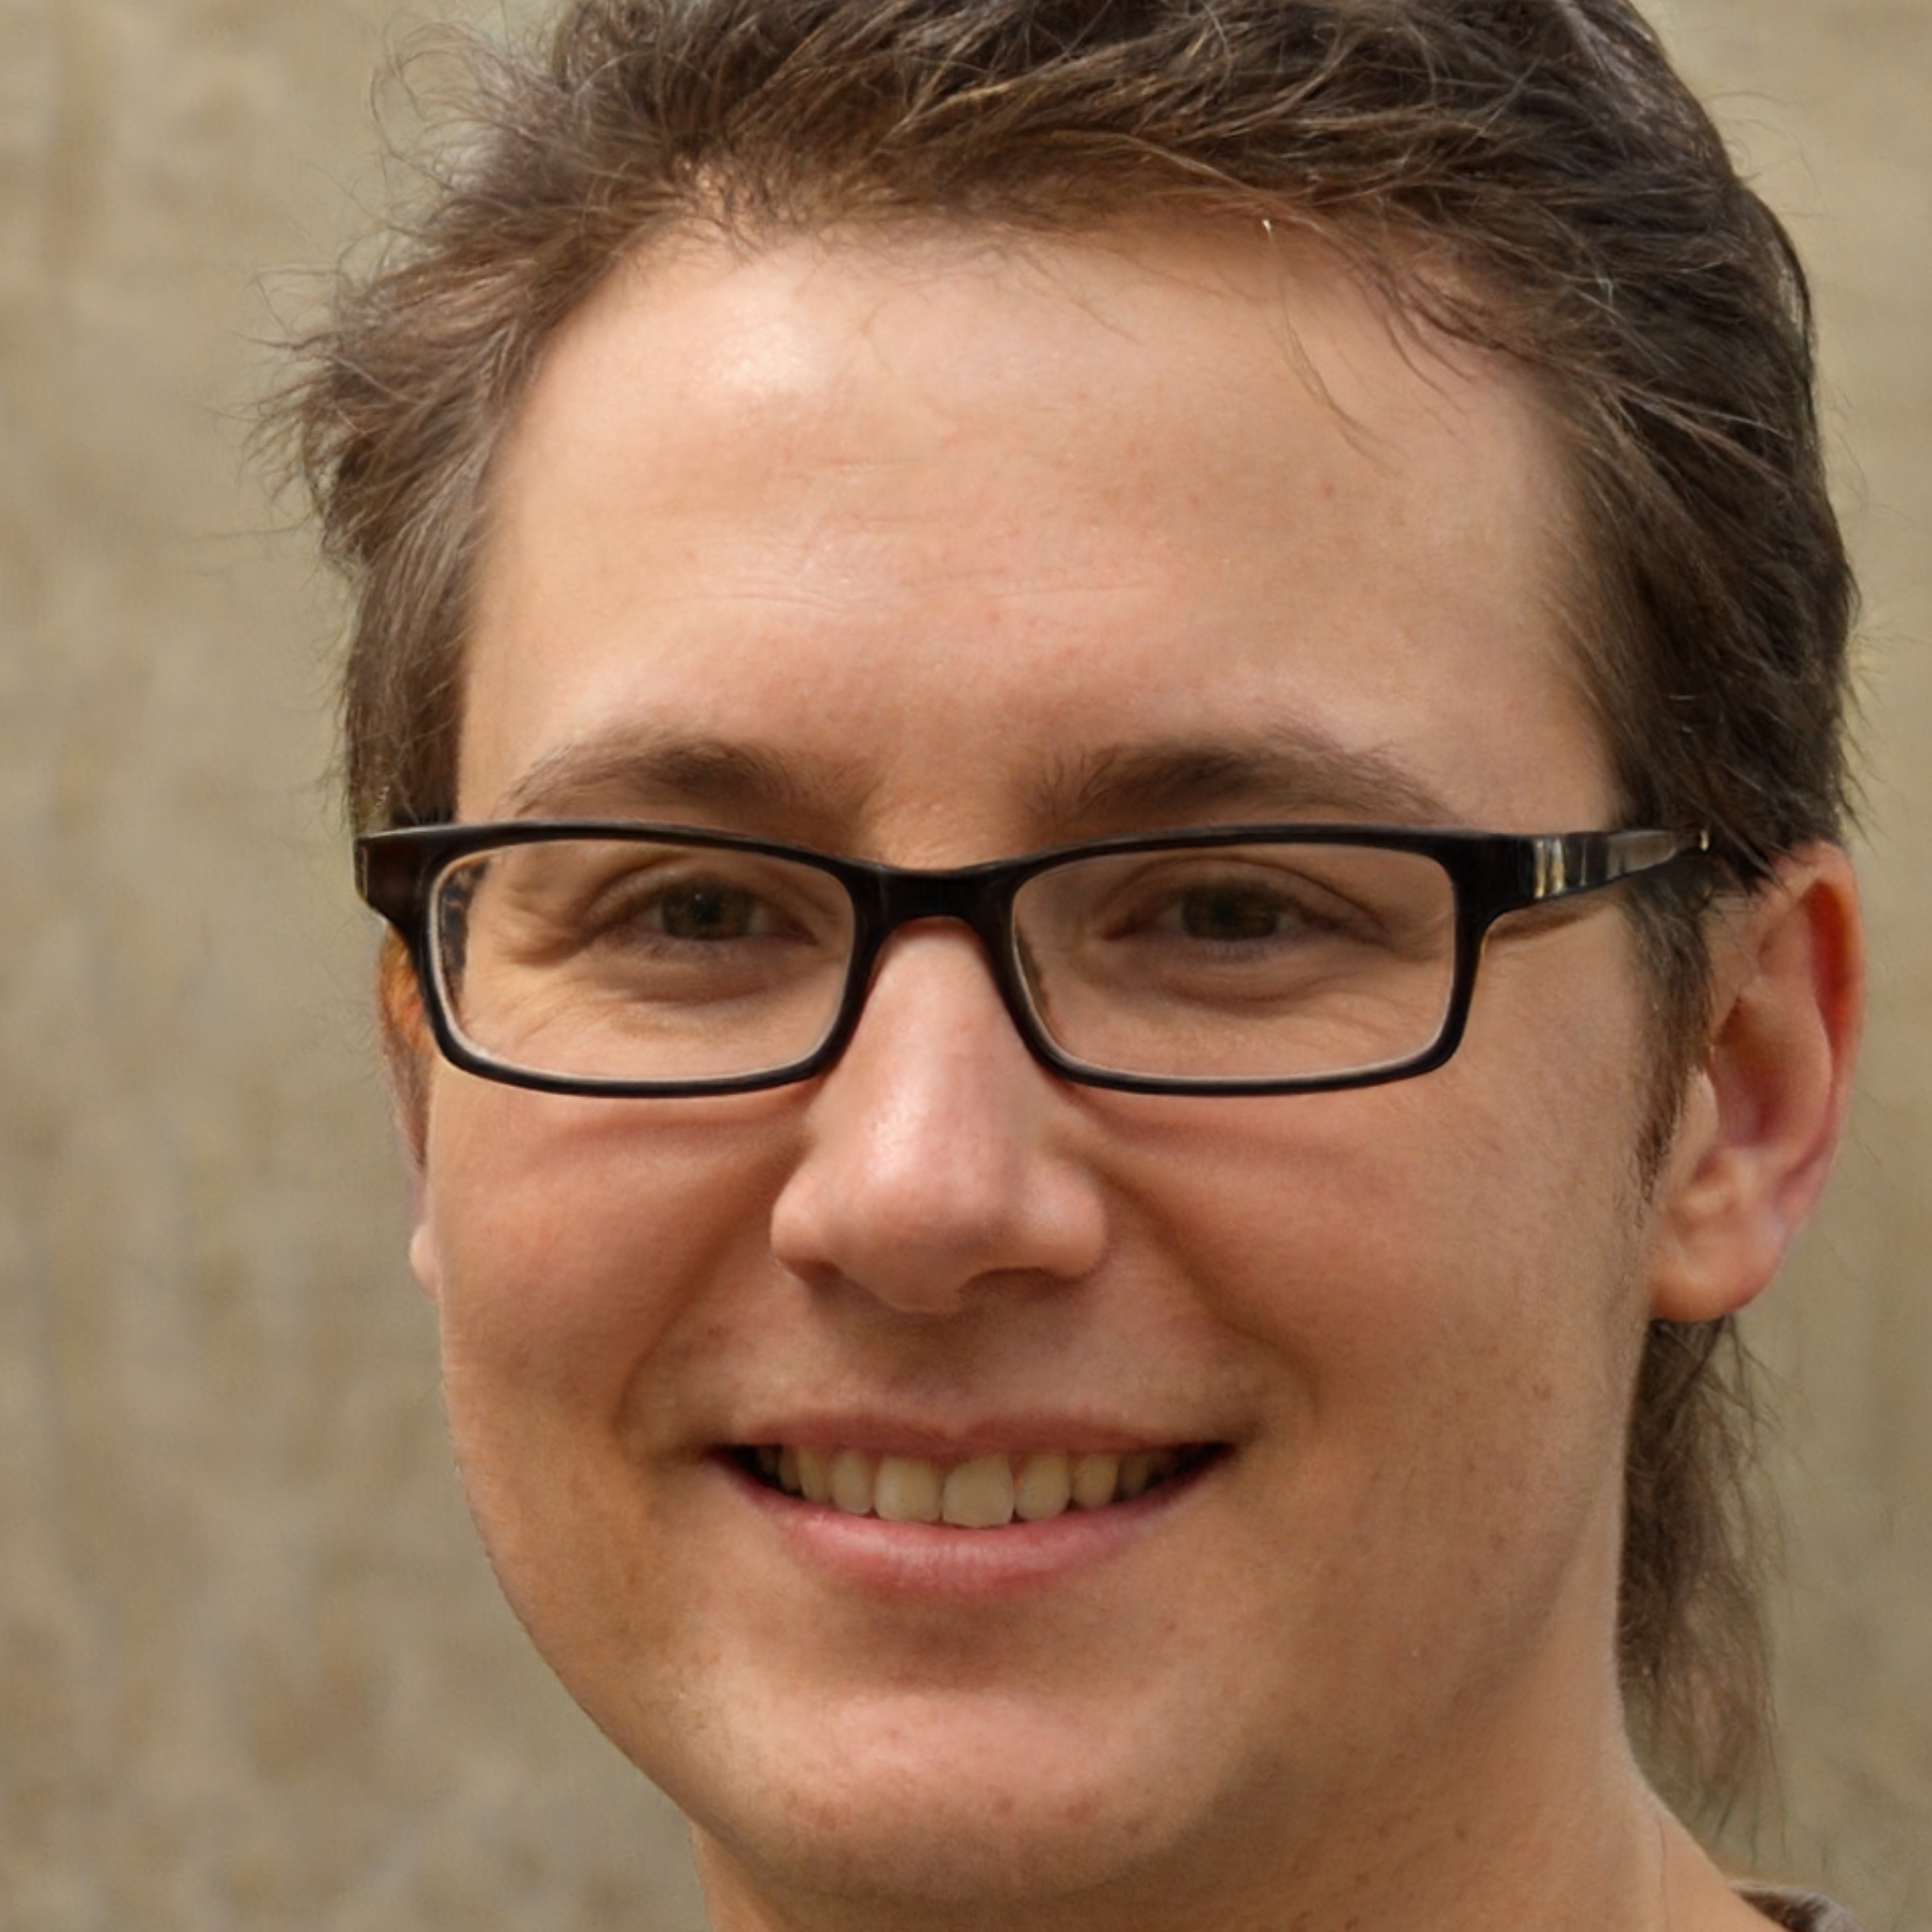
[(627, 766), (1295, 771), (1287, 773)]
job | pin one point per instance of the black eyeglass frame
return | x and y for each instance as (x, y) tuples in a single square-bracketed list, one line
[(1490, 875)]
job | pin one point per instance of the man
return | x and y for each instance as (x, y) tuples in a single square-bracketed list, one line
[(1103, 741)]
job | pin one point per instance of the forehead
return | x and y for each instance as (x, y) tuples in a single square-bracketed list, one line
[(859, 510)]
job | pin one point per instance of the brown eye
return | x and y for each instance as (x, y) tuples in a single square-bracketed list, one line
[(1231, 914), (706, 912)]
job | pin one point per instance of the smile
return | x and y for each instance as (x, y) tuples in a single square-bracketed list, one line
[(979, 1493)]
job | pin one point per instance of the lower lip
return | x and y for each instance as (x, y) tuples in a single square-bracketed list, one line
[(934, 1563)]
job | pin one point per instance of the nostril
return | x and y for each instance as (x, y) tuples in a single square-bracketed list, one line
[(921, 1220)]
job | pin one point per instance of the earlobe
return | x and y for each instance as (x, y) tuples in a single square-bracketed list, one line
[(1766, 1109), (424, 1262)]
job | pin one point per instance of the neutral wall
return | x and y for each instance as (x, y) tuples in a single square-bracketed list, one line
[(252, 1672)]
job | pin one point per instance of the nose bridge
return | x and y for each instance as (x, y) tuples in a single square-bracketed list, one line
[(976, 897), (930, 1161), (973, 895), (935, 1034)]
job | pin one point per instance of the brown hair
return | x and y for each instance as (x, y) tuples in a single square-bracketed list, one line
[(1528, 174)]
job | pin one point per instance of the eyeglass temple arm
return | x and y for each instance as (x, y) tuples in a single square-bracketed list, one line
[(1580, 862)]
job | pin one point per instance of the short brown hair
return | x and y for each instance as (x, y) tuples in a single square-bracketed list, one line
[(1530, 174)]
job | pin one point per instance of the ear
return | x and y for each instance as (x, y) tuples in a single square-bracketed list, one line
[(1765, 1112), (409, 1054)]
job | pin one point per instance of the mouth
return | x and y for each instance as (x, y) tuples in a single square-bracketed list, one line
[(989, 1492)]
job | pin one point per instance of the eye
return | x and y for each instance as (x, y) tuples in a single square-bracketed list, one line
[(663, 898), (1231, 912), (584, 899), (705, 910), (1221, 904)]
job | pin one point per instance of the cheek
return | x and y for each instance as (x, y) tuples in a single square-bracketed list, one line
[(578, 1263), (1415, 1223), (571, 1251), (1446, 1271)]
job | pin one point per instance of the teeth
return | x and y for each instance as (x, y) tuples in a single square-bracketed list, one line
[(908, 1490), (979, 1494), (983, 1492), (852, 1482), (1094, 1478), (1137, 1475), (1043, 1488)]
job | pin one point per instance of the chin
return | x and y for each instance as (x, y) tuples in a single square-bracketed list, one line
[(918, 1810)]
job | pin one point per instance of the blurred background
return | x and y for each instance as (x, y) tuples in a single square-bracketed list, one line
[(253, 1673)]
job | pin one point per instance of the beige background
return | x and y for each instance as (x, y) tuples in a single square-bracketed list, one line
[(252, 1672)]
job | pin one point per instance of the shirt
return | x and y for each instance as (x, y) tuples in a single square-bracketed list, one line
[(1798, 1911)]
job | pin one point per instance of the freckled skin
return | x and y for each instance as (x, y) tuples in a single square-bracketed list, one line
[(928, 516)]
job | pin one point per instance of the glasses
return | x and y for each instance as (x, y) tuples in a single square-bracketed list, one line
[(630, 960)]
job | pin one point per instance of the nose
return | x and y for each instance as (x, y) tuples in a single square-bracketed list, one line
[(939, 1154)]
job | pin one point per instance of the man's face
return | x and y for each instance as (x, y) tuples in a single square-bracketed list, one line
[(934, 550)]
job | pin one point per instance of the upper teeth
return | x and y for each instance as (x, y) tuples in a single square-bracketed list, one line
[(984, 1492)]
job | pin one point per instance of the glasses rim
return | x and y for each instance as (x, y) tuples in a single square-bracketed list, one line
[(1490, 874)]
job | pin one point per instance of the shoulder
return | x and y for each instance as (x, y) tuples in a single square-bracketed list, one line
[(1798, 1911)]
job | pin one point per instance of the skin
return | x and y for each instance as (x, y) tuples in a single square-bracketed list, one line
[(914, 526)]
